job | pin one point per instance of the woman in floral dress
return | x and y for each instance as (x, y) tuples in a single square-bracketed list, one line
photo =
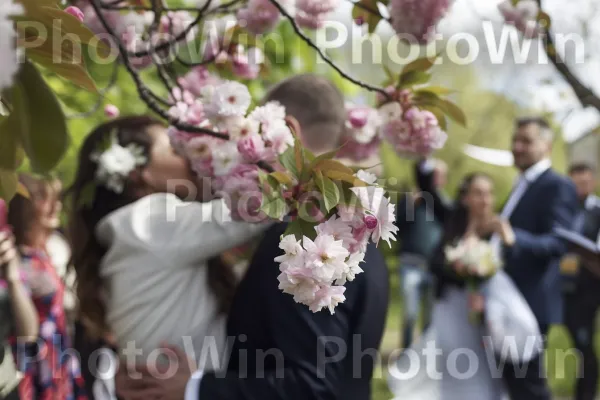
[(51, 371)]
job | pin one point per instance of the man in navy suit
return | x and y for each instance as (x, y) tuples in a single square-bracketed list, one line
[(540, 201)]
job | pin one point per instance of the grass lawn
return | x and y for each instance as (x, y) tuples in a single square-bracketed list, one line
[(560, 359)]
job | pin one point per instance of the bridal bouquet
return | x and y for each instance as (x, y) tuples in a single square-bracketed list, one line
[(262, 170), (476, 261)]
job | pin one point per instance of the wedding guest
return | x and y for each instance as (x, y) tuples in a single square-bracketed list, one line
[(310, 355), (18, 316), (49, 371), (419, 233), (582, 290), (541, 200)]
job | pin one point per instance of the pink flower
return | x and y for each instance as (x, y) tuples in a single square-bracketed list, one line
[(298, 282), (358, 116), (247, 65), (328, 297), (417, 18), (370, 222), (312, 14), (197, 78), (418, 132), (111, 111), (259, 16), (244, 198), (356, 151), (381, 99), (251, 148), (338, 228), (326, 257), (523, 16), (76, 12)]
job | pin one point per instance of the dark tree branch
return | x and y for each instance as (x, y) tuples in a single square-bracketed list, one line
[(585, 95), (143, 91), (324, 56)]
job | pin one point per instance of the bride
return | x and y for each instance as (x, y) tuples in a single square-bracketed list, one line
[(456, 358), (148, 263)]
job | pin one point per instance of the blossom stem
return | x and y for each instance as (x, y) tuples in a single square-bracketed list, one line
[(324, 56)]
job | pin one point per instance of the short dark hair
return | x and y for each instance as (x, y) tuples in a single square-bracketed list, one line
[(317, 104), (540, 122), (580, 167)]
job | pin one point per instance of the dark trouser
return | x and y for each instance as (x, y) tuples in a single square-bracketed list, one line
[(528, 381), (580, 317)]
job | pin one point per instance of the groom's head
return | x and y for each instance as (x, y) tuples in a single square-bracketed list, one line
[(531, 142), (318, 106)]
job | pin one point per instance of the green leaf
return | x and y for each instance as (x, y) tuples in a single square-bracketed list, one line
[(348, 197), (12, 128), (332, 165), (390, 76), (8, 184), (282, 177), (47, 139), (274, 207), (437, 90), (330, 191), (300, 228), (370, 16), (340, 176), (454, 112), (413, 78), (325, 156), (287, 159), (421, 64)]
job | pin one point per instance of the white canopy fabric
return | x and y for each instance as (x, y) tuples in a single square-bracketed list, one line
[(502, 158)]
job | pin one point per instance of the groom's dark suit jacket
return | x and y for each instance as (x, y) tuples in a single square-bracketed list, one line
[(321, 356), (533, 261)]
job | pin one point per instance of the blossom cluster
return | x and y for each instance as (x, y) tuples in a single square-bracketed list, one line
[(417, 18), (408, 128), (261, 135), (261, 16), (523, 16), (315, 270), (478, 257)]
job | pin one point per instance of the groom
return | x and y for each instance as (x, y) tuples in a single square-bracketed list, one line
[(540, 201), (282, 350)]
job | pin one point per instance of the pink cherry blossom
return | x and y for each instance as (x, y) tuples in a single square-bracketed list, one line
[(244, 198), (326, 257), (111, 111), (328, 297), (247, 65), (417, 18), (338, 228), (370, 222), (259, 16), (294, 253), (312, 14), (251, 148), (356, 151), (76, 12), (298, 282), (418, 132), (523, 16), (197, 78)]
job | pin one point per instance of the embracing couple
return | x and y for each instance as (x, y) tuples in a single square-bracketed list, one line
[(502, 356), (151, 276)]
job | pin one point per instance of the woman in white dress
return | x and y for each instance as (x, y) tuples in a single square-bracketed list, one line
[(147, 262), (451, 360)]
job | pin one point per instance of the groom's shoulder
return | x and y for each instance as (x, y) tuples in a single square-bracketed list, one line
[(553, 179)]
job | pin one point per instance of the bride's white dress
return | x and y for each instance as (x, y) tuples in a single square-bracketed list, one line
[(450, 361)]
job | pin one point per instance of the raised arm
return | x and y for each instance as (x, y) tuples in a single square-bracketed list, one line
[(424, 171)]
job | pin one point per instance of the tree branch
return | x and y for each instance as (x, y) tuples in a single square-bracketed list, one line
[(323, 56), (101, 94), (145, 93), (585, 95)]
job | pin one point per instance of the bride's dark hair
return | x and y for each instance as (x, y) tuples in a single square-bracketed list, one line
[(458, 221), (88, 203)]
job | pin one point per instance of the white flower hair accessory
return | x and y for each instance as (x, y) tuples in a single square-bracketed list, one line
[(116, 162)]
